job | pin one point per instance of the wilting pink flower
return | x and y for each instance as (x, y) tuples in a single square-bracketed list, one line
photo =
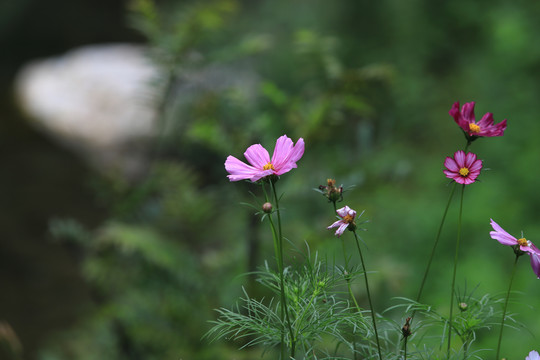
[(533, 355), (466, 120), (524, 245), (464, 169), (283, 160), (347, 217)]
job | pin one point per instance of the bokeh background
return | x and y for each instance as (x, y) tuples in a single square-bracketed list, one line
[(102, 264)]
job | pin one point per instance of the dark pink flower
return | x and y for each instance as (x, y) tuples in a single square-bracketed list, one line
[(464, 169), (526, 246), (283, 160), (483, 128), (347, 217)]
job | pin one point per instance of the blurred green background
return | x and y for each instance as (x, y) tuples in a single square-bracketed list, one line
[(97, 266)]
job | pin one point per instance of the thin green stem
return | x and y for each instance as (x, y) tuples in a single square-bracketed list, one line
[(373, 315), (348, 280), (506, 306), (276, 254), (435, 244), (281, 272), (454, 273)]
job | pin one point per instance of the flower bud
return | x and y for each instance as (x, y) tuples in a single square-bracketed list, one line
[(463, 306), (406, 329), (267, 207), (331, 191)]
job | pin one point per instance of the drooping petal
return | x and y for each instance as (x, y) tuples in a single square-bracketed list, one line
[(341, 229), (257, 156), (451, 164), (501, 235), (239, 170), (335, 224), (535, 263)]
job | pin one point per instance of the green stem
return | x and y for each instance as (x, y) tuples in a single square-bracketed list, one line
[(454, 273), (281, 272), (435, 244), (348, 280), (506, 306), (373, 315), (276, 254)]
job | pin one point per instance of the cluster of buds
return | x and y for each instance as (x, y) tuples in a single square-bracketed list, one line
[(331, 191)]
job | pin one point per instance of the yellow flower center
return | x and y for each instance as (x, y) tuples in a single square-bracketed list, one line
[(269, 166), (348, 219), (523, 242), (474, 128), (464, 171)]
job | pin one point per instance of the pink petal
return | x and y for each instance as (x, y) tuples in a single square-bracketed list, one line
[(470, 158), (486, 121), (257, 156), (451, 164), (344, 211), (501, 235), (476, 166), (459, 157), (535, 263), (239, 170), (282, 151), (467, 111), (298, 151), (533, 355), (335, 224), (341, 229)]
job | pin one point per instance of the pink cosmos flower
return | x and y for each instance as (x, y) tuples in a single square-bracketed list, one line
[(466, 120), (533, 355), (464, 169), (347, 216), (525, 245), (283, 160)]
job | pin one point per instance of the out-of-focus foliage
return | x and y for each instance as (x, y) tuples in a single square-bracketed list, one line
[(368, 85)]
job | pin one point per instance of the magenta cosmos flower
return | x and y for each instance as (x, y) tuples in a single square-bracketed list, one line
[(464, 169), (466, 120), (524, 245), (283, 160), (533, 355), (347, 217)]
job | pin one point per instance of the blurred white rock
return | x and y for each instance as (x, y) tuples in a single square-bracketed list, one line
[(98, 100)]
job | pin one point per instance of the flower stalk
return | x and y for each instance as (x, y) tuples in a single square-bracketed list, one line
[(506, 305), (456, 255)]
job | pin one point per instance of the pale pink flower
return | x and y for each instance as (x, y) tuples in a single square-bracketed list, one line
[(483, 128), (533, 355), (347, 217), (464, 169), (525, 245), (283, 160)]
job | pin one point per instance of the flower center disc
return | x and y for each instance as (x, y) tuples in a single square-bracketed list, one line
[(268, 166), (348, 219), (464, 171), (523, 242), (474, 128)]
